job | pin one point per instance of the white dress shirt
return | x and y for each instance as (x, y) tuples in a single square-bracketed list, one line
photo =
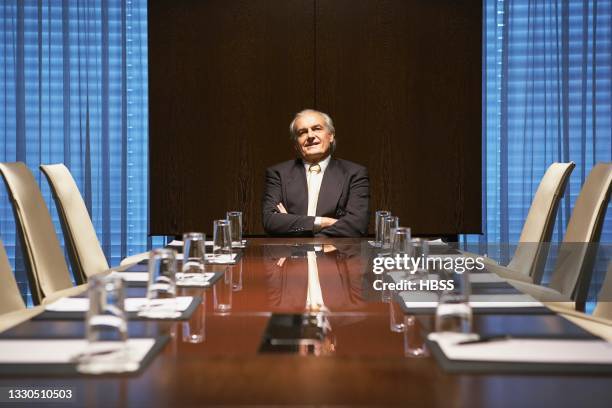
[(314, 180), (314, 294)]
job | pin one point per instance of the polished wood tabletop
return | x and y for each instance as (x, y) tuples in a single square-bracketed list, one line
[(363, 363)]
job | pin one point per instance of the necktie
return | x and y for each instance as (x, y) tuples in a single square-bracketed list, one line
[(314, 168), (313, 188)]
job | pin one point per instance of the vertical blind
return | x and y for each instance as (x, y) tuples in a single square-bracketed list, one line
[(73, 90), (547, 98)]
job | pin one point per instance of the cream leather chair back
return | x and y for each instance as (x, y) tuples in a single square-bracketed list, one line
[(530, 256), (10, 298), (44, 258), (603, 308), (572, 273), (84, 249)]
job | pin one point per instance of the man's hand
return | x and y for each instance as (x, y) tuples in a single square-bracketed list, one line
[(281, 208), (327, 222)]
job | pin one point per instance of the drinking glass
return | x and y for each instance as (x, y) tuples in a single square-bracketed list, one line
[(106, 319), (222, 240), (161, 290), (454, 313), (401, 242), (194, 252), (235, 219), (194, 330), (389, 224), (420, 252), (105, 328), (414, 337), (222, 293), (380, 214)]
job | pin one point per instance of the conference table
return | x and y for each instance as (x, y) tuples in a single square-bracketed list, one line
[(362, 363)]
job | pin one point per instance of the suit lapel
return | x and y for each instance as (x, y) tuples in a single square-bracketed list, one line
[(297, 189), (331, 188)]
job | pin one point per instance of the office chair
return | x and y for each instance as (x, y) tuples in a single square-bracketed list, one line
[(84, 250), (46, 268), (12, 308), (529, 259), (574, 265), (600, 322)]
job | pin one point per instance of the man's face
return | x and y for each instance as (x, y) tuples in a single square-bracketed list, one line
[(313, 139)]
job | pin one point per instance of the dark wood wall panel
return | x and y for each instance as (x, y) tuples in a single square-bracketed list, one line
[(401, 78), (225, 80)]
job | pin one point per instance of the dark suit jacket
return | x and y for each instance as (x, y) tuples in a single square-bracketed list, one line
[(344, 195)]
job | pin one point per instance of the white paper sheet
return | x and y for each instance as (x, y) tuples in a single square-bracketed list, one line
[(210, 258), (62, 350), (503, 301), (194, 279), (133, 276), (178, 243), (526, 350), (131, 304), (182, 279), (427, 300), (433, 242), (221, 259)]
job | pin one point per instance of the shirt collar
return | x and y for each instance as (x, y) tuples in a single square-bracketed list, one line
[(322, 163)]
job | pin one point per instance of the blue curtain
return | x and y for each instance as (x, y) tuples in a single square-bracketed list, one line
[(547, 98), (73, 90)]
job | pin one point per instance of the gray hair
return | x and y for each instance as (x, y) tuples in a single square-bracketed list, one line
[(329, 125)]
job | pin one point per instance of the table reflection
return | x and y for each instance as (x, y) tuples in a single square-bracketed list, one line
[(314, 277)]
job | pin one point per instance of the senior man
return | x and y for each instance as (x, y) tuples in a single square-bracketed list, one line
[(316, 194)]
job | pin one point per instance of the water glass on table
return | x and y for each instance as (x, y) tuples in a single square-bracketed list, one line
[(105, 328), (389, 224), (222, 239), (106, 319), (420, 252), (235, 219), (194, 252), (454, 313), (380, 214), (401, 242), (161, 290)]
